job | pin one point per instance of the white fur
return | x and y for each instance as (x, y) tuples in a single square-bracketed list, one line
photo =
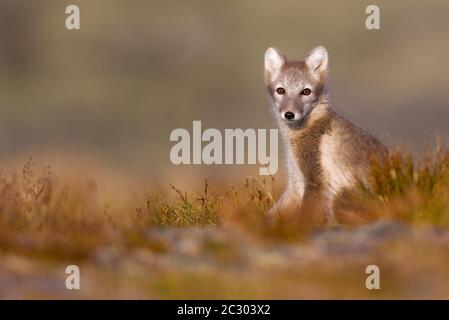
[(296, 180), (336, 175), (317, 61), (294, 193), (274, 60)]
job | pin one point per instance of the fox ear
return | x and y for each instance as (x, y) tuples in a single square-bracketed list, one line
[(274, 60), (317, 62)]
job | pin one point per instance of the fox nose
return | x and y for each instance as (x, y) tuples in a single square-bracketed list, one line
[(289, 115)]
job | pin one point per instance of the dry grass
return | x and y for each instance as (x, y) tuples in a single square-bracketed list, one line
[(45, 224), (413, 191)]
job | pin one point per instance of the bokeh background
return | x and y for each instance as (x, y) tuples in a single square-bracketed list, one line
[(113, 91)]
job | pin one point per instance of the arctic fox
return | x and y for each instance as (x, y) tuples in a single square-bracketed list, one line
[(326, 153)]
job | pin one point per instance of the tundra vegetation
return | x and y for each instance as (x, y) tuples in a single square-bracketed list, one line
[(219, 243)]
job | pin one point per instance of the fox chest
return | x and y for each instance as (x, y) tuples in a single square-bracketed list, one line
[(320, 163)]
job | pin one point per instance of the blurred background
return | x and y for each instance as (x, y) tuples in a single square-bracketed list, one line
[(113, 91)]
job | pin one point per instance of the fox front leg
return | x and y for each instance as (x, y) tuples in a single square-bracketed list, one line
[(330, 214), (285, 205)]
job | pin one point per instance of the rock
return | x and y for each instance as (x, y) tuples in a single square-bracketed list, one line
[(360, 240)]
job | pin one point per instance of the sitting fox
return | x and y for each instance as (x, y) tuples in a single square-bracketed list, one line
[(326, 153)]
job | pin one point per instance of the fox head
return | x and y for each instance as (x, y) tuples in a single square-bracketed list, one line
[(296, 87)]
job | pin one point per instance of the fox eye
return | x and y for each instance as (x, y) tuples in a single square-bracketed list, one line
[(306, 92), (280, 90)]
